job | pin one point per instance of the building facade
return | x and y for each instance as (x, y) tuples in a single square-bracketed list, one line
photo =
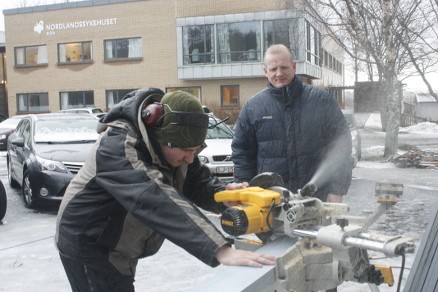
[(93, 52)]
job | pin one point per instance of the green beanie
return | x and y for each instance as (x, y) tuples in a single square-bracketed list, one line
[(184, 121)]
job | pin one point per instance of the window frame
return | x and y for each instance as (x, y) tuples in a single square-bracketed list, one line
[(244, 54), (24, 56), (193, 90), (28, 102), (106, 49), (313, 44), (232, 87), (190, 56), (120, 93), (80, 105), (83, 56)]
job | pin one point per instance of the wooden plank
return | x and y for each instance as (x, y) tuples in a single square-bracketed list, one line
[(247, 279)]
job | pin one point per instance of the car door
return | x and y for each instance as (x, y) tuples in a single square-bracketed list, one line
[(18, 153)]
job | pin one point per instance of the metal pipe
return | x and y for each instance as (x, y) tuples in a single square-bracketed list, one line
[(364, 243), (305, 233)]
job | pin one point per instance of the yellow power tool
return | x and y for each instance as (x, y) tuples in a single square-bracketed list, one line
[(253, 214)]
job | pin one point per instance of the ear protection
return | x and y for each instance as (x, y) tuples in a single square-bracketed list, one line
[(152, 114)]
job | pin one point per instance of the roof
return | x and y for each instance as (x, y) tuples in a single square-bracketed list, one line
[(424, 97), (65, 5)]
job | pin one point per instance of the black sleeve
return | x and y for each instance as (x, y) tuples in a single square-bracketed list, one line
[(200, 187)]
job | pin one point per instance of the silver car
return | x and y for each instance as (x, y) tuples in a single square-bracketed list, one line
[(84, 110), (217, 155)]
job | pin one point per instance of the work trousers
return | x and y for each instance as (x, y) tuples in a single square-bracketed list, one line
[(84, 278)]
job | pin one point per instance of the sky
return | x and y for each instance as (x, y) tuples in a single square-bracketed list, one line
[(5, 4), (414, 83), (8, 4)]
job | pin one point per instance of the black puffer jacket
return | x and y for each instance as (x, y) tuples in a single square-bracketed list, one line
[(294, 131), (125, 200)]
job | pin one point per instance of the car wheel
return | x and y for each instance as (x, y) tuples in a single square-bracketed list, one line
[(3, 201), (26, 191), (12, 182)]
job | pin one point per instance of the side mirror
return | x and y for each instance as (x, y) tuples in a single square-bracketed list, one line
[(18, 142)]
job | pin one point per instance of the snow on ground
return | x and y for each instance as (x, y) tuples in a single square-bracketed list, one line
[(374, 123)]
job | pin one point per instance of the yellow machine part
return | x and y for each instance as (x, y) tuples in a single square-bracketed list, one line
[(386, 273), (253, 195), (251, 216)]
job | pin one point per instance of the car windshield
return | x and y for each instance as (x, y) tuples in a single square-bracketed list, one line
[(65, 130), (220, 131)]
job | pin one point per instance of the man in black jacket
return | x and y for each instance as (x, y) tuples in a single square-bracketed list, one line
[(294, 129), (137, 188)]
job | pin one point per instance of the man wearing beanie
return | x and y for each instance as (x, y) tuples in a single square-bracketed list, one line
[(139, 186)]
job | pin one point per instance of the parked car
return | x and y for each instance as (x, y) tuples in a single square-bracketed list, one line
[(217, 155), (91, 110), (355, 136), (3, 201), (45, 151), (6, 128)]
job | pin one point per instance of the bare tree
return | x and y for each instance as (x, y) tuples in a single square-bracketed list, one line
[(420, 40), (397, 38)]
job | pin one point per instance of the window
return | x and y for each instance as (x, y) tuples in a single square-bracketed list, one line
[(225, 42), (239, 42), (75, 99), (198, 44), (283, 31), (230, 95), (113, 97), (313, 41), (74, 52), (33, 102), (32, 55), (195, 90), (123, 49), (23, 130)]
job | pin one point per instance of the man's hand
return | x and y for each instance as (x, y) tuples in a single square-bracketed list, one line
[(334, 198), (235, 186), (236, 257)]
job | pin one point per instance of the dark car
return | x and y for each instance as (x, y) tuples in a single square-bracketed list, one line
[(3, 202), (45, 151), (6, 128)]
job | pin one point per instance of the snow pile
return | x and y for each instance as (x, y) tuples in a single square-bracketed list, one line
[(374, 123), (423, 128)]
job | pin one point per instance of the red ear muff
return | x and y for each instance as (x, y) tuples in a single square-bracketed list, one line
[(151, 115)]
